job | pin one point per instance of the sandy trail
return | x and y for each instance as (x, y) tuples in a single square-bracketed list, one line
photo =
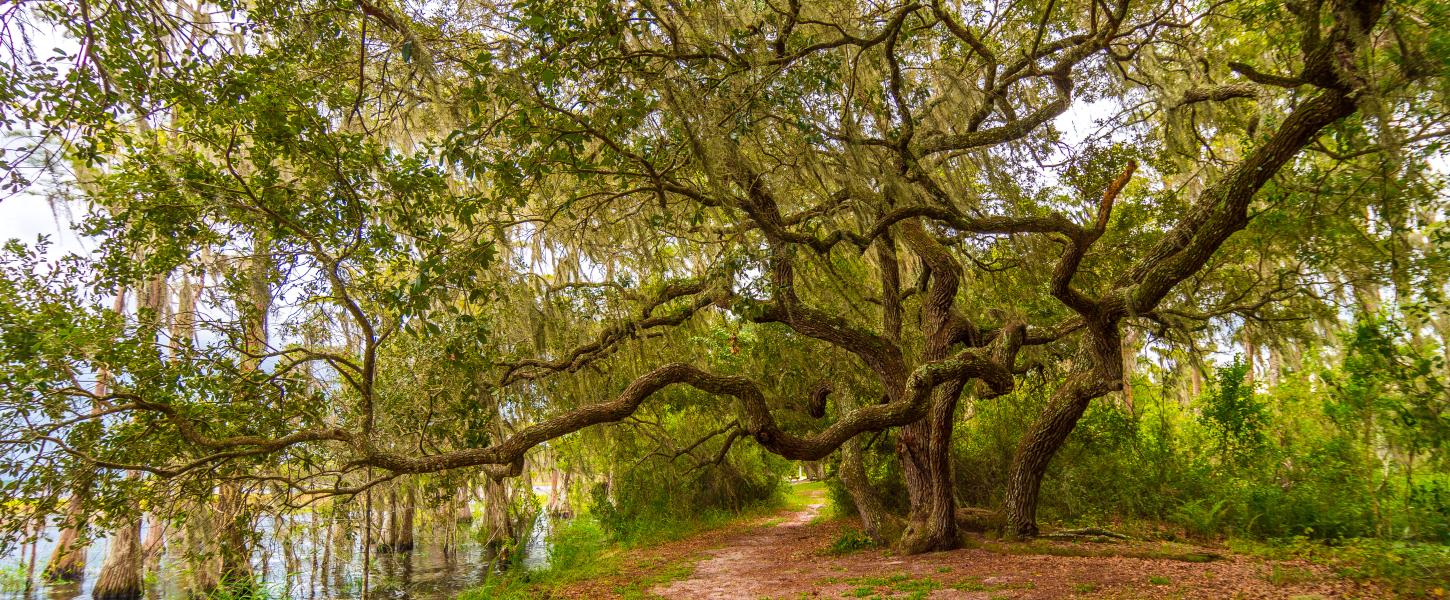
[(752, 564)]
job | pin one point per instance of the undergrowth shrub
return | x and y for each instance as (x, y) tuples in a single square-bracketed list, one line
[(848, 541), (647, 505), (1323, 453)]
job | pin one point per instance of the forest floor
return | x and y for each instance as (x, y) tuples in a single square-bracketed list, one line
[(787, 555)]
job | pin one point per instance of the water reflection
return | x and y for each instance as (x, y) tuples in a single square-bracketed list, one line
[(302, 563)]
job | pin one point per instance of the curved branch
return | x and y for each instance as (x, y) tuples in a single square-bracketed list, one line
[(756, 421)]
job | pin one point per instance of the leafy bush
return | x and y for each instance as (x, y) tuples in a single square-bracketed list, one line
[(850, 540), (1339, 449), (1200, 517), (1429, 509), (1234, 413)]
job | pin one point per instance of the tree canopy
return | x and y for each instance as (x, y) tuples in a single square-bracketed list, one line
[(342, 242)]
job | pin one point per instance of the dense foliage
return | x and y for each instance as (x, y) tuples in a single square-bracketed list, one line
[(1159, 259)]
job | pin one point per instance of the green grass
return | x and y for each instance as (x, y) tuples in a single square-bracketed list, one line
[(1159, 580), (579, 550), (899, 585), (657, 530), (976, 584), (1163, 550), (799, 496), (13, 578)]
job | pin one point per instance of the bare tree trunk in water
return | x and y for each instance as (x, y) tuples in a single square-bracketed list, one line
[(235, 536), (367, 540), (314, 533), (403, 532), (68, 560), (155, 542), (464, 512), (120, 577), (236, 517), (387, 523), (496, 513), (289, 551), (198, 542), (325, 564), (38, 526)]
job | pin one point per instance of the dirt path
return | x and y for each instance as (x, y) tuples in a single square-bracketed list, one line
[(786, 560), (748, 565), (785, 557)]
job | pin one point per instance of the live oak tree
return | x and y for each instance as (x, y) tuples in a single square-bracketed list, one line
[(490, 226)]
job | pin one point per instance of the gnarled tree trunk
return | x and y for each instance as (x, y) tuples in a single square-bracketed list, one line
[(925, 446), (1041, 443), (925, 449), (876, 521)]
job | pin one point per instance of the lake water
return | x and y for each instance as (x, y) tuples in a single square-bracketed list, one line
[(293, 568)]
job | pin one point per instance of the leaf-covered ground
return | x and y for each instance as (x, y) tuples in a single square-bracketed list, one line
[(787, 556)]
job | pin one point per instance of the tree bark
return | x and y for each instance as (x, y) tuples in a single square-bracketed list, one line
[(155, 542), (464, 512), (68, 560), (876, 521), (496, 512), (120, 577), (1131, 338), (388, 524), (566, 508), (198, 541), (925, 448), (925, 445), (403, 534), (235, 539), (1040, 443), (553, 501)]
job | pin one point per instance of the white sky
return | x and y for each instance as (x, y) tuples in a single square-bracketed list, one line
[(25, 216)]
